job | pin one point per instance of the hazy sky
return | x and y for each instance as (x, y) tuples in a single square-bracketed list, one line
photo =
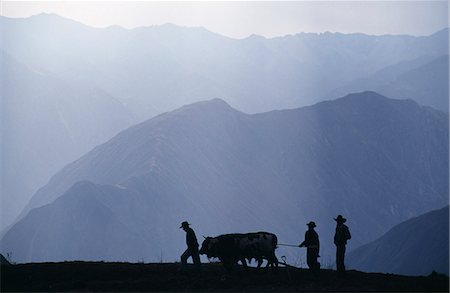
[(240, 19)]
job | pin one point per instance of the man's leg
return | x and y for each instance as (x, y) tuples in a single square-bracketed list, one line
[(196, 259), (316, 263), (186, 254), (338, 258), (340, 254), (310, 259)]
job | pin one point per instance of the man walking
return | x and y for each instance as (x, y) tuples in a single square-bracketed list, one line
[(340, 240), (192, 247), (312, 247)]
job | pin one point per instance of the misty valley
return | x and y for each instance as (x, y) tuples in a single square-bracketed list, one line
[(112, 137)]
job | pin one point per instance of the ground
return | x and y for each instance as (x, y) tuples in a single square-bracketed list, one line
[(102, 276)]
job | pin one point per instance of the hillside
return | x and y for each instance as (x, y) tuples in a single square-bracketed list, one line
[(46, 123), (417, 246), (424, 80), (364, 155), (86, 276), (427, 84)]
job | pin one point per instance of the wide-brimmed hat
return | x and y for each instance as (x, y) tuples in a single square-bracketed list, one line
[(311, 224), (340, 219), (184, 224)]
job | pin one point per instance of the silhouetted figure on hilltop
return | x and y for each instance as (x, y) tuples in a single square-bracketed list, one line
[(340, 240), (192, 247), (312, 245)]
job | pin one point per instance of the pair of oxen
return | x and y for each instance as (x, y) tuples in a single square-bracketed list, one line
[(231, 248)]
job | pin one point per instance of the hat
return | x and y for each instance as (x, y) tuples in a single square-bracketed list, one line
[(340, 219), (184, 224), (311, 224)]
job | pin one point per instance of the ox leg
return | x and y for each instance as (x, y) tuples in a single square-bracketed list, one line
[(244, 263), (274, 261), (227, 264), (249, 260), (260, 261)]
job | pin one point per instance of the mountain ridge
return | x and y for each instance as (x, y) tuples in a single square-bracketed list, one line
[(60, 17), (223, 107), (45, 122), (227, 171), (221, 67), (140, 73)]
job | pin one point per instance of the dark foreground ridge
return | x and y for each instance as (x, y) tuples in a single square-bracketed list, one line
[(101, 276)]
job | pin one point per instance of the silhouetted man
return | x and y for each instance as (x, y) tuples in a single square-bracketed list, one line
[(192, 247), (312, 247), (340, 240)]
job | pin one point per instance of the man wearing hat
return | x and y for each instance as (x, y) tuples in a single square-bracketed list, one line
[(312, 247), (192, 247), (340, 240)]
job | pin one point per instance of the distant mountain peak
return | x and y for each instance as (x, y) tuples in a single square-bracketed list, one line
[(215, 101), (53, 19), (368, 95), (444, 31), (255, 37), (215, 104), (373, 97)]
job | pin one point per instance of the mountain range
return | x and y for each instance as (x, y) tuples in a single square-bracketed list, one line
[(160, 68), (417, 246), (69, 87), (424, 80), (45, 124), (377, 161)]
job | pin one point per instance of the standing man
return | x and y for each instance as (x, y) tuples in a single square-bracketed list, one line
[(312, 247), (192, 247), (340, 240)]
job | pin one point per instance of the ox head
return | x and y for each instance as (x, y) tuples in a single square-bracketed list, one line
[(209, 247)]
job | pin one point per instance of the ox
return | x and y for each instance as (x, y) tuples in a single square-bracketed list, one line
[(231, 248)]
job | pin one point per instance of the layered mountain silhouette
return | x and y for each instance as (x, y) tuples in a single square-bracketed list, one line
[(427, 84), (424, 80), (376, 160), (417, 246), (160, 68), (73, 87), (47, 123)]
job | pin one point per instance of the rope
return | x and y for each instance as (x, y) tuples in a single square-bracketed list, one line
[(290, 245)]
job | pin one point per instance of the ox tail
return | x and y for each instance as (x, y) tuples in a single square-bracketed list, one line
[(274, 241), (274, 259)]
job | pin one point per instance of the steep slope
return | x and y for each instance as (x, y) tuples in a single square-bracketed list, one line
[(417, 246), (83, 214), (45, 124), (377, 161)]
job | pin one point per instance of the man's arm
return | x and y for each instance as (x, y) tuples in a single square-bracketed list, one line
[(306, 241)]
